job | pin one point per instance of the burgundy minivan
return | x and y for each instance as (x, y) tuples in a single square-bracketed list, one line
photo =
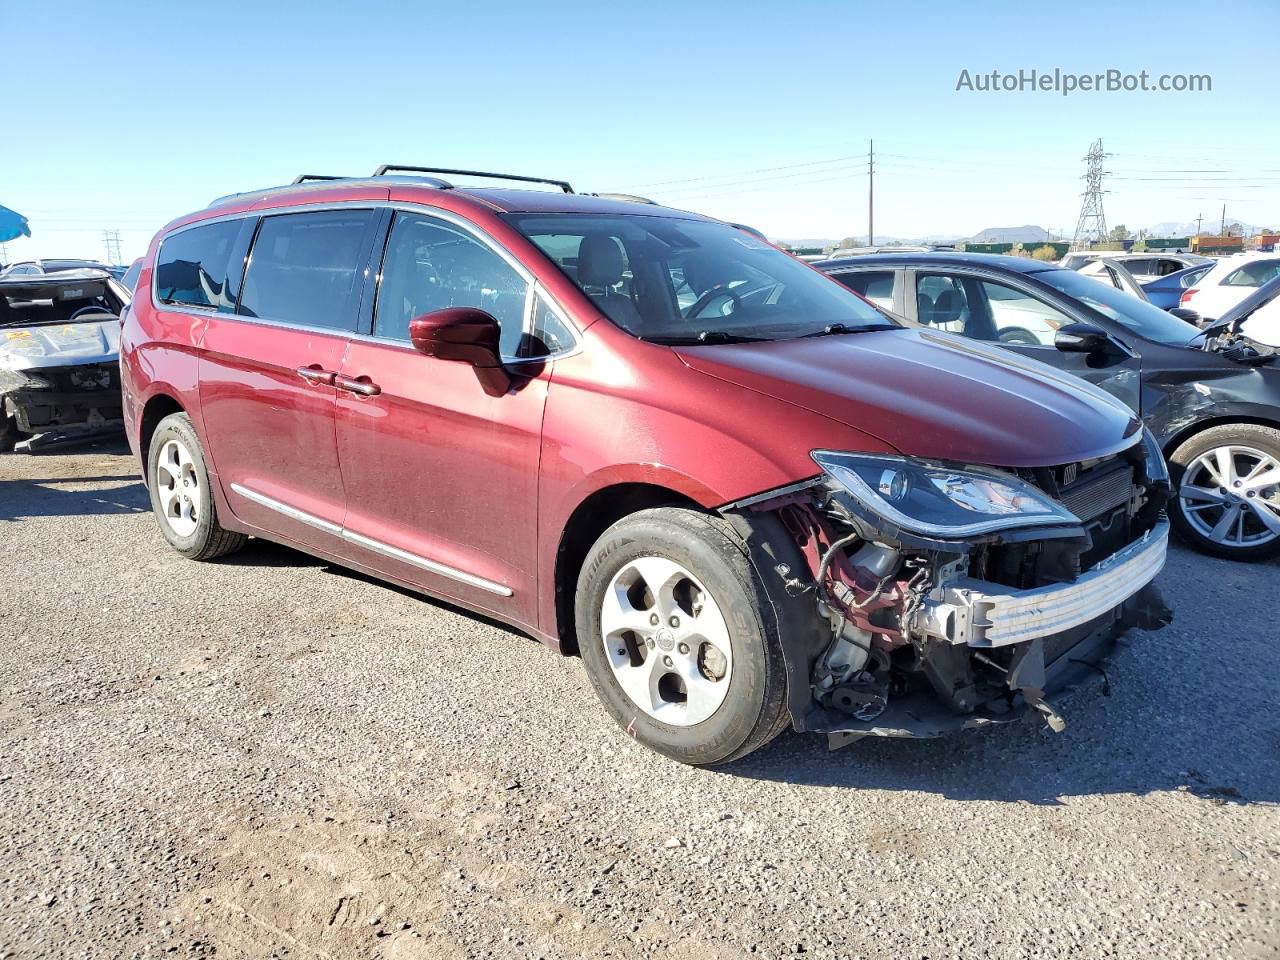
[(745, 496)]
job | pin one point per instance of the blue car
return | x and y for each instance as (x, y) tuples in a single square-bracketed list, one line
[(1166, 292)]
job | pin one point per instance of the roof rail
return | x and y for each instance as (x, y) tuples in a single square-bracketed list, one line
[(306, 177), (628, 197), (389, 167)]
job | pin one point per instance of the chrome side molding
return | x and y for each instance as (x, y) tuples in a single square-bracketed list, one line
[(377, 546)]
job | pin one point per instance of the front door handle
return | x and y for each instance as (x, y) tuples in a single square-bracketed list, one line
[(361, 386), (314, 374)]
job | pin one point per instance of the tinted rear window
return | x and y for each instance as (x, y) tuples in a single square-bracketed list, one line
[(304, 266), (191, 268)]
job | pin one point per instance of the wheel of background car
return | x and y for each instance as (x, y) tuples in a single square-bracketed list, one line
[(1019, 335), (710, 297), (9, 435), (671, 623), (1227, 491), (180, 495)]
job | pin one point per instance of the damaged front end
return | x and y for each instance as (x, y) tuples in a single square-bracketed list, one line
[(959, 596)]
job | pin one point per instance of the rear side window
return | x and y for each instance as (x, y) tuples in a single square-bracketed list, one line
[(303, 268), (191, 268)]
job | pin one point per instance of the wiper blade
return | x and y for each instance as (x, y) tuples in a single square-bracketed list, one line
[(709, 336), (833, 329)]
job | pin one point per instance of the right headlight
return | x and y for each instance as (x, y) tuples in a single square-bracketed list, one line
[(935, 500)]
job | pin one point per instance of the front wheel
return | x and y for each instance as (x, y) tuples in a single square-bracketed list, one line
[(1227, 491), (673, 627)]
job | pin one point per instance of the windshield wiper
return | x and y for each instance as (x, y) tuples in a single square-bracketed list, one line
[(709, 336), (833, 329)]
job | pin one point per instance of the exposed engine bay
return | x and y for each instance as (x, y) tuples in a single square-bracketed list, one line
[(925, 634)]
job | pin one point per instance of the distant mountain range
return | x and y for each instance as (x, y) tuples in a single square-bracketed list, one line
[(1027, 233)]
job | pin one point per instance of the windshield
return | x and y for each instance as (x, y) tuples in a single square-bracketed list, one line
[(1125, 309), (688, 281), (41, 302)]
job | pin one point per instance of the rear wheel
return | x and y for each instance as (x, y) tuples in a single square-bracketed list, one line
[(180, 495), (1227, 491), (672, 628)]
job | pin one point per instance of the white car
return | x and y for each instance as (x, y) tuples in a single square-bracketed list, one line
[(1145, 267), (1230, 281)]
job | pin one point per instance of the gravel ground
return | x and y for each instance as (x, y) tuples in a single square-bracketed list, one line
[(267, 756)]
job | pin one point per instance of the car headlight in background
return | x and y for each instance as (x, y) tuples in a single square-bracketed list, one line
[(940, 501)]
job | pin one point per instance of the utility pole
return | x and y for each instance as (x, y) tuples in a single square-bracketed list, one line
[(1199, 218), (1092, 225), (871, 193), (111, 238), (1222, 231)]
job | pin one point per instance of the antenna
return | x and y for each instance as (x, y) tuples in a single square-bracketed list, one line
[(1092, 225)]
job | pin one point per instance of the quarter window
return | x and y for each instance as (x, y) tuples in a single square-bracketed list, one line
[(874, 285), (430, 265), (191, 267), (304, 266)]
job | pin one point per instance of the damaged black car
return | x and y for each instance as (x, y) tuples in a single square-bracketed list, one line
[(59, 354)]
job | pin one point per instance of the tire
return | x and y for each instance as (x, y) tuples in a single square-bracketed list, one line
[(714, 584), (1201, 506), (177, 479), (9, 435)]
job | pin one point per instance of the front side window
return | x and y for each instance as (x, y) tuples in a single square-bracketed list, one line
[(1142, 318), (304, 266), (1018, 317), (671, 280), (191, 267), (430, 265), (1253, 274)]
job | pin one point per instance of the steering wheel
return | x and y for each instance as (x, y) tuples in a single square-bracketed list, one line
[(710, 297), (1019, 335), (90, 309)]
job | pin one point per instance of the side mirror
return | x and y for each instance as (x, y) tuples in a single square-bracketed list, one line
[(467, 335), (1084, 338), (1186, 313)]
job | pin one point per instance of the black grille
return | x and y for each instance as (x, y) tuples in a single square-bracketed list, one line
[(1100, 490)]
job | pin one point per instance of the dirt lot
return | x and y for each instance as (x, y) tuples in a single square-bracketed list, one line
[(267, 756)]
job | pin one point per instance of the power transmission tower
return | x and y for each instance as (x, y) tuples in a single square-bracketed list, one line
[(112, 240), (871, 193), (1093, 222)]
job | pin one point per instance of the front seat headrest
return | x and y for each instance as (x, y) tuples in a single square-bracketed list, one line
[(600, 261)]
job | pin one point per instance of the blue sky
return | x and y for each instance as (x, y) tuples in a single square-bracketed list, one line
[(757, 112)]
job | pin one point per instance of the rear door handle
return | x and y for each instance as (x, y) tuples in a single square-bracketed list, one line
[(362, 386), (316, 375)]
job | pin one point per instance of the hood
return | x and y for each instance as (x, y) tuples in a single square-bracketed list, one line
[(59, 345), (930, 394)]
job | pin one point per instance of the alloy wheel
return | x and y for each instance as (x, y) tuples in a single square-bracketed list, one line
[(667, 641), (1231, 496), (178, 488)]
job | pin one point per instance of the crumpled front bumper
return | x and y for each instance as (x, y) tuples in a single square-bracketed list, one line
[(980, 614)]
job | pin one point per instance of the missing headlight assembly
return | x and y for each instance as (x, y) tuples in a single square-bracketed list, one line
[(955, 595)]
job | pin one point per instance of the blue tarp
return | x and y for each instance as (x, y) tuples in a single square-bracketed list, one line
[(12, 225)]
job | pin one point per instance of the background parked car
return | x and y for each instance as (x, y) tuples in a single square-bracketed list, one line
[(1257, 316), (130, 279), (1229, 282), (1144, 266), (1215, 412), (1166, 292), (59, 352)]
